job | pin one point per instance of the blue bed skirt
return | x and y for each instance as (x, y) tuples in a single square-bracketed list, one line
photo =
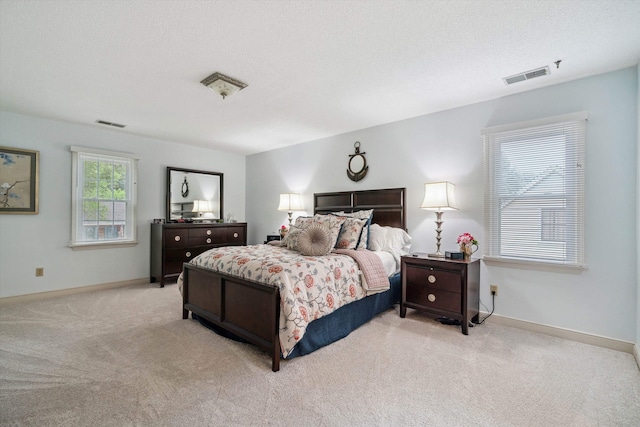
[(335, 326)]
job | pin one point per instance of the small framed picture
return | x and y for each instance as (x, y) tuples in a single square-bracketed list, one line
[(19, 181)]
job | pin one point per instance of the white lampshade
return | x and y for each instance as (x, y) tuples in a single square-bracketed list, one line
[(201, 206), (290, 202), (439, 196)]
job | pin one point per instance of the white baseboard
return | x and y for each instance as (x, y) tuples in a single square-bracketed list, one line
[(70, 291), (636, 354), (597, 340)]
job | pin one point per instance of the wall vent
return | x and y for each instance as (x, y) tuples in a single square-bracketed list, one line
[(527, 75), (117, 125)]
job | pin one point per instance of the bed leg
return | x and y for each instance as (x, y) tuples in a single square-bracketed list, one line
[(275, 361), (185, 313)]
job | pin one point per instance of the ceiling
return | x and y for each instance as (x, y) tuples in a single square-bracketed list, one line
[(313, 68)]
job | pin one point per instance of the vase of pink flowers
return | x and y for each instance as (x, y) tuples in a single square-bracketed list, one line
[(283, 231), (468, 245)]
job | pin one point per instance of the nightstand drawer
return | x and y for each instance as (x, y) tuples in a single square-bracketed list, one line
[(434, 278), (430, 297)]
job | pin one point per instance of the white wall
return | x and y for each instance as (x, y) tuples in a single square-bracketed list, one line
[(30, 241), (447, 146), (638, 217)]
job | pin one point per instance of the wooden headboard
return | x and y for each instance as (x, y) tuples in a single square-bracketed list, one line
[(388, 204)]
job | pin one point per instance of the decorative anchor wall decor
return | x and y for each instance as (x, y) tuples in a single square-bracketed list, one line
[(185, 188), (357, 167)]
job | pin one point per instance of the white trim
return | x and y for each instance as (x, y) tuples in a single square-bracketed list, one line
[(636, 354), (102, 244), (69, 291), (77, 149), (570, 117), (544, 265), (568, 334)]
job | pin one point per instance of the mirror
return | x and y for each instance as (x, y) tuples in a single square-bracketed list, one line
[(357, 167), (194, 195)]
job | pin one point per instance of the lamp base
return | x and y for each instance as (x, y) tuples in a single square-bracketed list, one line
[(436, 255)]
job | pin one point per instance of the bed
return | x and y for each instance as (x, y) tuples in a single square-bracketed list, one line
[(248, 310)]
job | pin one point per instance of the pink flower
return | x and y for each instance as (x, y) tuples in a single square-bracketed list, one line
[(467, 239)]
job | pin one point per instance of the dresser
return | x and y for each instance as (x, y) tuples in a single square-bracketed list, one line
[(176, 243), (441, 287)]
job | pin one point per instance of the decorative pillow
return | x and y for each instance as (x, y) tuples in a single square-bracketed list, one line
[(314, 240), (332, 222), (290, 240), (303, 221), (365, 214), (350, 233)]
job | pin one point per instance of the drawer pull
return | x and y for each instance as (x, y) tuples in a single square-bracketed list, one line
[(235, 235), (209, 240), (431, 278), (177, 238), (208, 232), (188, 254), (431, 297)]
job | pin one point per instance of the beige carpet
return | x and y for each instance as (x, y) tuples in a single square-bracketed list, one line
[(124, 357)]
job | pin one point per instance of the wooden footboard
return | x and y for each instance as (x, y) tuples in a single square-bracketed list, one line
[(247, 309)]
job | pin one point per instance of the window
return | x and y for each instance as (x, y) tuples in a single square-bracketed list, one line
[(534, 191), (103, 198)]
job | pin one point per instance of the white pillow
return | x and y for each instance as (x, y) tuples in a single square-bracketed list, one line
[(377, 236), (394, 240)]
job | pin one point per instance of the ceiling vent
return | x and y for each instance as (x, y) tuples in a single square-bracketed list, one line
[(116, 125), (527, 75)]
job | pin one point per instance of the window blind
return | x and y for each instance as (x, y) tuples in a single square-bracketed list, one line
[(534, 190)]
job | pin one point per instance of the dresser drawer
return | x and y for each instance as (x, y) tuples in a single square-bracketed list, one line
[(176, 238), (431, 297), (434, 278), (207, 236), (235, 236), (174, 258)]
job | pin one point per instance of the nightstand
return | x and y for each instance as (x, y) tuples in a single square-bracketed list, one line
[(441, 287), (271, 237)]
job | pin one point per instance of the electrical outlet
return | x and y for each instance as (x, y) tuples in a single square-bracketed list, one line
[(494, 289), (39, 272)]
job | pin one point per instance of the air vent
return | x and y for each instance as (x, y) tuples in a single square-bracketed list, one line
[(116, 125), (527, 75)]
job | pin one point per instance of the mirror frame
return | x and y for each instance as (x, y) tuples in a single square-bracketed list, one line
[(170, 169)]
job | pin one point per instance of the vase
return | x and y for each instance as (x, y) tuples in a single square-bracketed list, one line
[(283, 232), (468, 250)]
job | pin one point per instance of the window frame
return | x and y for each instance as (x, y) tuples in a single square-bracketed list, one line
[(77, 199), (574, 193)]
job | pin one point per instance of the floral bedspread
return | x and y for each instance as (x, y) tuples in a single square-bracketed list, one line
[(310, 286)]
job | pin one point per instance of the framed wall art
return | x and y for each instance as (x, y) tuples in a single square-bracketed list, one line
[(19, 181)]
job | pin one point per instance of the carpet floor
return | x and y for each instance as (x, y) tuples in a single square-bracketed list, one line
[(125, 357)]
